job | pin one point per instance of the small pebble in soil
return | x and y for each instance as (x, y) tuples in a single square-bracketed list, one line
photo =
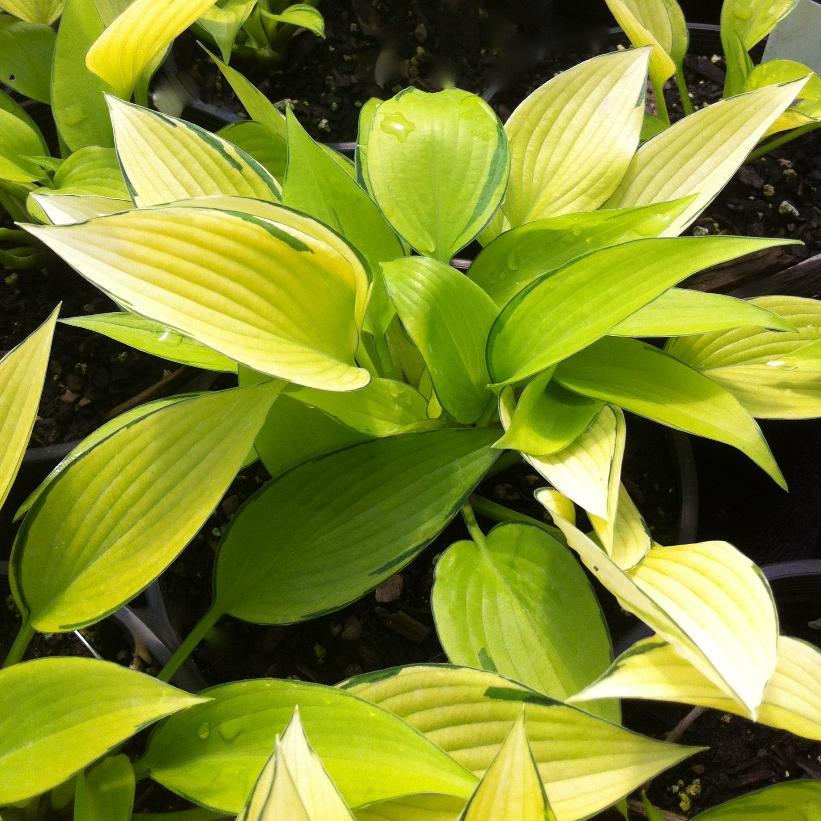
[(390, 590)]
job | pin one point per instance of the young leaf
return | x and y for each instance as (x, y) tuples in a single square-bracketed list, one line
[(370, 754), (327, 532), (137, 37), (26, 52), (651, 669), (437, 166), (282, 295), (469, 713), (572, 139), (105, 792), (643, 379), (258, 141), (223, 21), (302, 15), (91, 170), (165, 159), (511, 789), (34, 11), (69, 209), (67, 712), (500, 606), (293, 784), (566, 310), (708, 148), (115, 518), (22, 373), (790, 801), (448, 317)]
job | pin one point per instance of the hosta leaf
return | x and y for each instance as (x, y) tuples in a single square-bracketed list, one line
[(281, 295), (624, 534), (34, 11), (137, 37), (165, 159), (468, 713), (517, 257), (422, 807), (302, 15), (369, 753), (155, 339), (223, 21), (115, 518), (651, 669), (773, 374), (680, 312), (566, 310), (327, 532), (26, 51), (106, 791), (69, 209), (708, 147), (91, 170), (572, 139), (258, 141), (448, 317), (651, 383), (521, 606), (294, 784), (790, 801), (437, 166), (18, 141), (753, 20), (22, 373), (66, 713), (708, 600), (511, 789)]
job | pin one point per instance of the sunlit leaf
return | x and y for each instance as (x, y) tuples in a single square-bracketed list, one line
[(18, 141), (258, 141), (223, 21), (68, 209), (302, 15)]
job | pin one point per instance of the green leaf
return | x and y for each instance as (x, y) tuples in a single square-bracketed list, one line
[(327, 532), (437, 166), (302, 15), (515, 605), (564, 311), (679, 312), (517, 257), (106, 791), (34, 11), (155, 339), (422, 807), (646, 381), (26, 52), (448, 317), (753, 20), (116, 517), (468, 713), (18, 142), (369, 753), (223, 21), (700, 153), (74, 710), (22, 373), (166, 160), (773, 374), (69, 209), (91, 170), (791, 801), (572, 139), (267, 147), (281, 294)]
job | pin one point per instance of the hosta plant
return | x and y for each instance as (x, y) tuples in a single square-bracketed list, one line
[(379, 385)]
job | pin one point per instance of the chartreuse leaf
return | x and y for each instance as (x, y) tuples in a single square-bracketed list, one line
[(22, 373), (469, 713), (302, 15), (448, 317), (773, 374), (213, 753), (26, 51), (517, 257), (708, 600), (69, 209), (294, 784), (327, 532), (19, 140), (511, 789), (258, 141), (680, 312), (437, 166), (566, 310), (647, 381), (34, 11), (651, 669), (105, 792), (283, 295), (708, 147), (67, 712), (790, 801), (572, 139), (165, 159), (782, 71), (155, 339), (624, 534), (514, 605), (421, 807), (114, 519), (137, 37), (223, 21), (317, 185)]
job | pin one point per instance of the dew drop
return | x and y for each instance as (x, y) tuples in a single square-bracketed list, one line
[(229, 733), (397, 125), (204, 730)]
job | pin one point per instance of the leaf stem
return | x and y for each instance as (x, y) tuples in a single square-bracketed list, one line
[(684, 93), (201, 629), (20, 645), (499, 513), (476, 532), (785, 138), (385, 359), (488, 414), (661, 103)]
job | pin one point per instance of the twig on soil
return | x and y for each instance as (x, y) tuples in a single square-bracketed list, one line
[(637, 807), (681, 728), (158, 389)]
